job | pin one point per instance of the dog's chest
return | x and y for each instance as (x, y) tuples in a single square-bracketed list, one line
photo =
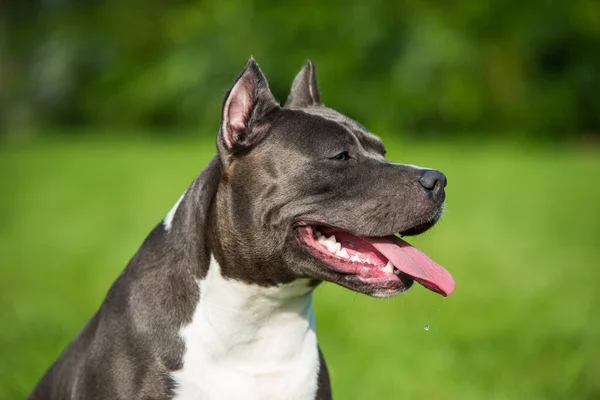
[(248, 342)]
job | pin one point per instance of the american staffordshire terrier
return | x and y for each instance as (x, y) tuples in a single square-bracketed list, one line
[(217, 302)]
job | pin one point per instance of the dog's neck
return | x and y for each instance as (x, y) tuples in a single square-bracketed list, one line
[(182, 243), (242, 338), (241, 238), (249, 341), (240, 315), (236, 311)]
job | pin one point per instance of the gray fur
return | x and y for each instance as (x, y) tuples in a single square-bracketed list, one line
[(270, 175)]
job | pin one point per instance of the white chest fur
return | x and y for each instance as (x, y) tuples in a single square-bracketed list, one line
[(249, 342)]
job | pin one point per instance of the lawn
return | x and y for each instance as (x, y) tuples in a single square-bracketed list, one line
[(521, 236)]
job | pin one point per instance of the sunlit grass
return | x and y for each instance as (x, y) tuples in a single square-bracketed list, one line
[(521, 236)]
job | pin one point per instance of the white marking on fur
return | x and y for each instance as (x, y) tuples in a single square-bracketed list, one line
[(249, 342), (168, 221), (415, 166)]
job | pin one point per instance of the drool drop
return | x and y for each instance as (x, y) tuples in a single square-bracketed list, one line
[(426, 327)]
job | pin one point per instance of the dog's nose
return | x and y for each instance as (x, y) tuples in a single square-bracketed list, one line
[(432, 180)]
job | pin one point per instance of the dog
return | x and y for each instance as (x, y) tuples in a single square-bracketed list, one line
[(217, 302)]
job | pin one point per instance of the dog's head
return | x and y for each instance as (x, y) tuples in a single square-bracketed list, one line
[(308, 193)]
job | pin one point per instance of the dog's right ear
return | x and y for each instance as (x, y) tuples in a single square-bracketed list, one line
[(304, 92), (244, 120)]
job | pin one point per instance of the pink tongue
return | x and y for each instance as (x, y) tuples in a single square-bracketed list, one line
[(415, 263)]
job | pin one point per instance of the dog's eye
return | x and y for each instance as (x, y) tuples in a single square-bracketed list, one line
[(343, 156)]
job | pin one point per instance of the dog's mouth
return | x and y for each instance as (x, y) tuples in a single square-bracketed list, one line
[(387, 262)]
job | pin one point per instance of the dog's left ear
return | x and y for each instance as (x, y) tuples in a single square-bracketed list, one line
[(304, 92), (244, 120)]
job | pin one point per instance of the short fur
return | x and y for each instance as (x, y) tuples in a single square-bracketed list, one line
[(275, 168)]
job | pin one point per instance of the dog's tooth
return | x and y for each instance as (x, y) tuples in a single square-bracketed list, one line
[(321, 239), (331, 239), (396, 272), (335, 247), (355, 258), (389, 268), (342, 253), (330, 246)]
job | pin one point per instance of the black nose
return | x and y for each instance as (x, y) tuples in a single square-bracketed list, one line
[(432, 180)]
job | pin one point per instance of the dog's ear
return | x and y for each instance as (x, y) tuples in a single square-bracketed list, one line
[(304, 92), (244, 119)]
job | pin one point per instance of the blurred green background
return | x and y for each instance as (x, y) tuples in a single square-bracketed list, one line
[(108, 109)]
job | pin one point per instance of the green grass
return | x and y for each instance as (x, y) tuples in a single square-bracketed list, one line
[(521, 236)]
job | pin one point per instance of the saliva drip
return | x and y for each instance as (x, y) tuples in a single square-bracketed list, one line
[(426, 327)]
